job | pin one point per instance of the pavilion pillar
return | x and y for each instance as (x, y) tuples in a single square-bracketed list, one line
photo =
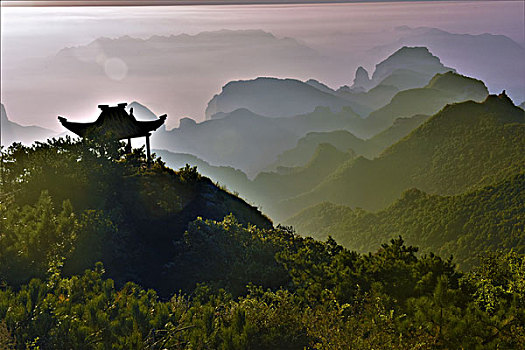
[(148, 151), (128, 147)]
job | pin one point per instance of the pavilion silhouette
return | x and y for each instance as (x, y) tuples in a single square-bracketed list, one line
[(115, 123)]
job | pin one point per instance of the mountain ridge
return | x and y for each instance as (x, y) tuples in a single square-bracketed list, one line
[(428, 158), (14, 132)]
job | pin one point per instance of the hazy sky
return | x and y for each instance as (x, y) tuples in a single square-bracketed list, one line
[(340, 31)]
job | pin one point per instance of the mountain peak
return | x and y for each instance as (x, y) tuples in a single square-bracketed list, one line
[(361, 80), (140, 111), (503, 96), (187, 123), (276, 97), (459, 84), (413, 51), (418, 59), (3, 114), (499, 101)]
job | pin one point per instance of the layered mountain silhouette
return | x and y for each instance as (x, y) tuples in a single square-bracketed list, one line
[(248, 141), (406, 68), (177, 73), (443, 89), (495, 59), (14, 132), (269, 187), (251, 142), (272, 97), (374, 98), (344, 140), (465, 145)]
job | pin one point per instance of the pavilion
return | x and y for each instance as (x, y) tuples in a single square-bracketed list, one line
[(115, 123)]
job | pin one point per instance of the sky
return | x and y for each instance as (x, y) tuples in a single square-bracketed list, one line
[(341, 32)]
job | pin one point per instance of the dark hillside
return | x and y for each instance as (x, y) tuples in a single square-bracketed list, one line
[(129, 214)]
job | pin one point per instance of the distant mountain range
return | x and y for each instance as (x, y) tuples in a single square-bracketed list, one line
[(273, 97), (463, 147), (245, 140), (408, 67), (345, 140), (251, 142), (179, 74), (299, 169), (13, 132), (495, 59), (410, 81), (176, 74)]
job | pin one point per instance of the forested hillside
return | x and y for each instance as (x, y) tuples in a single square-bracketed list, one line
[(464, 146), (442, 89), (221, 283), (464, 226), (344, 140), (78, 203)]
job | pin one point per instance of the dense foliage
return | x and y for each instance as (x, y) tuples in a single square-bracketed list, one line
[(465, 226), (84, 229), (336, 299), (86, 202)]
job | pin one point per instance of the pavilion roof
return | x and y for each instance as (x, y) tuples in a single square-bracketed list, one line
[(114, 122)]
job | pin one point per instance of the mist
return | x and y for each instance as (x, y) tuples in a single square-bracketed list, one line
[(327, 42)]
